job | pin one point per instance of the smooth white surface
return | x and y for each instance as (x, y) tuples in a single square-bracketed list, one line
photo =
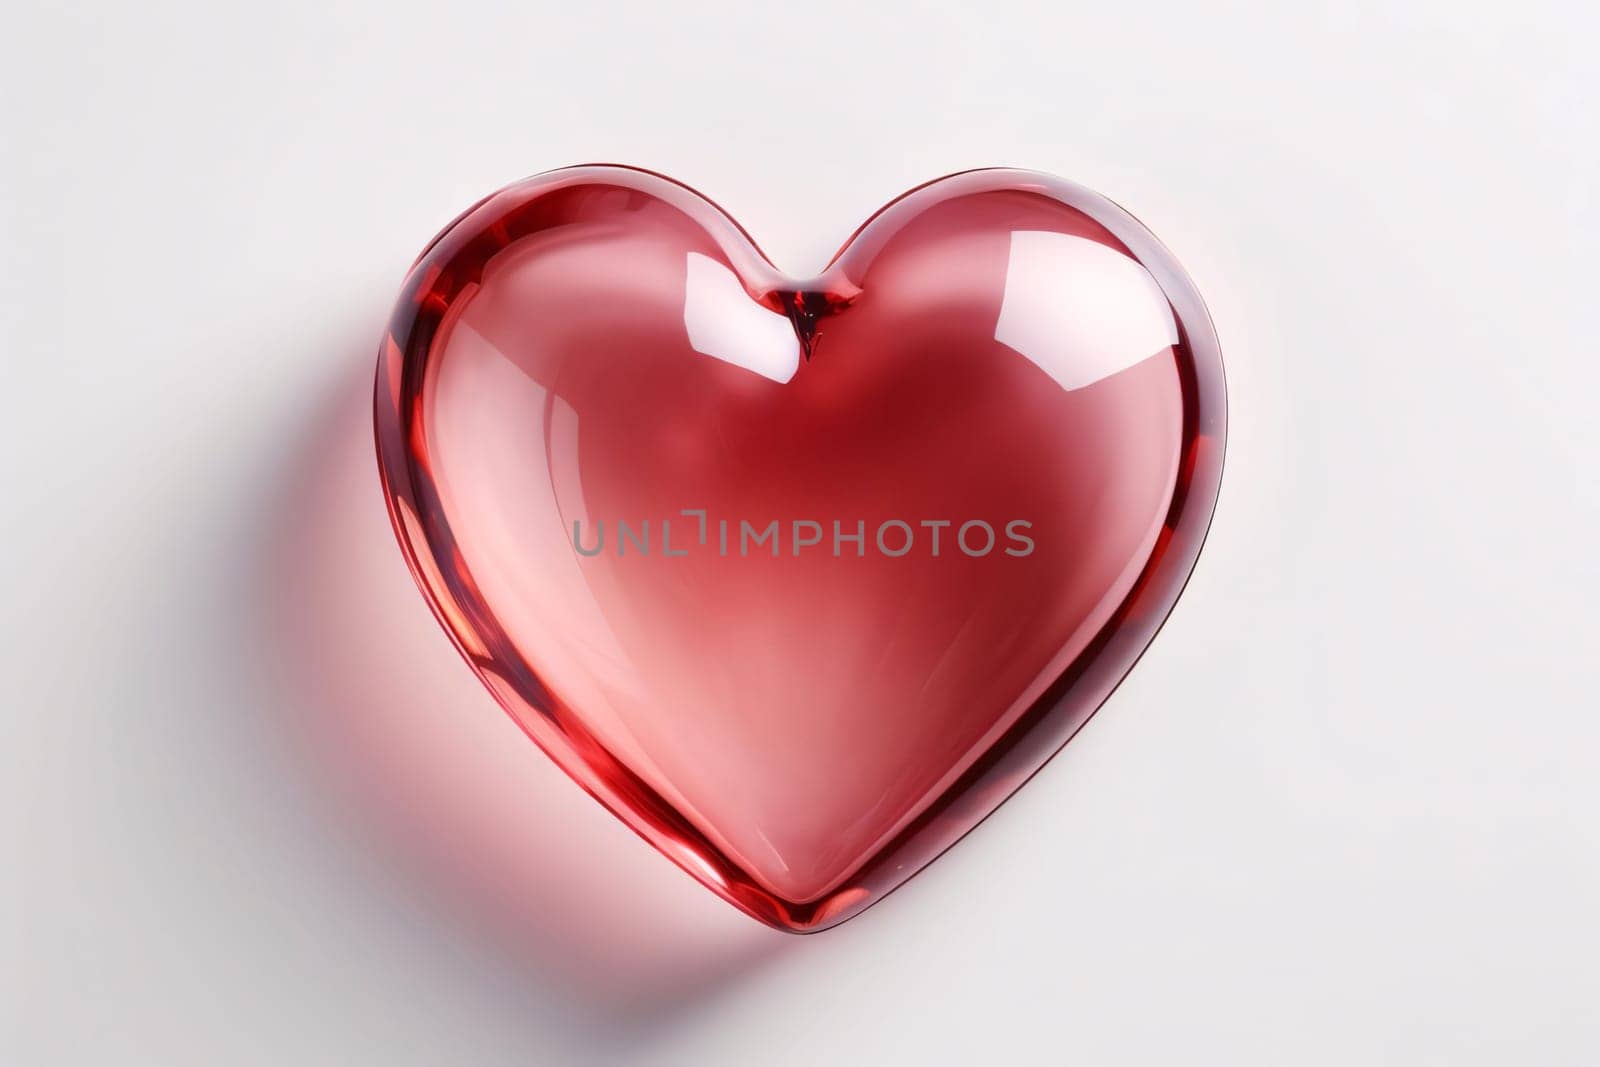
[(1346, 811)]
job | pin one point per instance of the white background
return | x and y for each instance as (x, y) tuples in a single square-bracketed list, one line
[(1346, 811)]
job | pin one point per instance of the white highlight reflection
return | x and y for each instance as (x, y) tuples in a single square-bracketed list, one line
[(1079, 310), (724, 323)]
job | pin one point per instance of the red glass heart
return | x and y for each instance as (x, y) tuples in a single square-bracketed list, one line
[(801, 579)]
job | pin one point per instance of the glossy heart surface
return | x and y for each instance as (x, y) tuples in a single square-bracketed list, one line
[(801, 578)]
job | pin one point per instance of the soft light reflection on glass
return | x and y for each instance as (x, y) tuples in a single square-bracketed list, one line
[(724, 323), (1079, 310)]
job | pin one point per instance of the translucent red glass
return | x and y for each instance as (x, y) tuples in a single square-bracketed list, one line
[(800, 578)]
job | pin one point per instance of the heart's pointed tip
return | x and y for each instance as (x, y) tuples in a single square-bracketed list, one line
[(800, 918)]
